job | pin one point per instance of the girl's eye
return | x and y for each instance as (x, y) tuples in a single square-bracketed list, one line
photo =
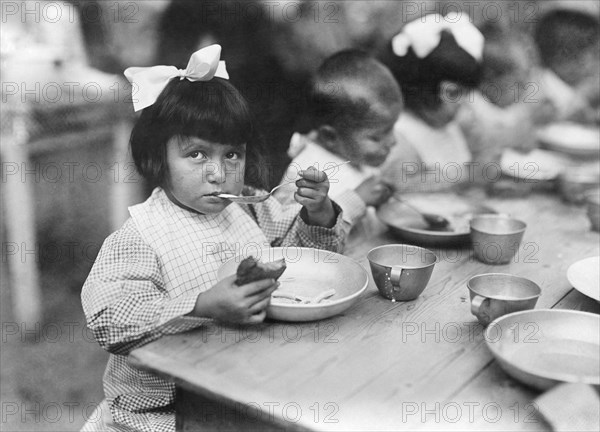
[(232, 155), (196, 155)]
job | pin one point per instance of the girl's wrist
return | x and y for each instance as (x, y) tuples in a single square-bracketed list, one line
[(201, 308), (326, 217)]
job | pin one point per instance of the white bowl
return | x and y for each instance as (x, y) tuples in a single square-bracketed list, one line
[(309, 272)]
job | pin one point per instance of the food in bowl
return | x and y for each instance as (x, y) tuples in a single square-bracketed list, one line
[(280, 296), (252, 270)]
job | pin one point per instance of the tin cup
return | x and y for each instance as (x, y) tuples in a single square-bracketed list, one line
[(574, 184), (496, 238), (496, 294), (401, 272)]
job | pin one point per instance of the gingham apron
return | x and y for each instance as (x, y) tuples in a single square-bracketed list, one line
[(191, 247)]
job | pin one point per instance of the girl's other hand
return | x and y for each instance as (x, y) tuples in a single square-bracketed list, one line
[(227, 302), (312, 192), (374, 192)]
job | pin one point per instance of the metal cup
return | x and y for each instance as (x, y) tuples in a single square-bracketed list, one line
[(574, 184), (496, 238), (401, 272), (496, 294)]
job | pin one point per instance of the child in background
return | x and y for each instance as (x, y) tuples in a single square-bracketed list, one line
[(437, 61), (567, 38), (353, 103), (506, 110), (157, 274)]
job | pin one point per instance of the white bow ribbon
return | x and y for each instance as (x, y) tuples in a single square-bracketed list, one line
[(148, 82), (424, 35)]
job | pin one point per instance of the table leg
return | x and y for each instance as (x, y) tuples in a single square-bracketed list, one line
[(21, 251)]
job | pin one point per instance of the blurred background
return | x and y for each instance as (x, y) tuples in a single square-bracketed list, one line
[(66, 117)]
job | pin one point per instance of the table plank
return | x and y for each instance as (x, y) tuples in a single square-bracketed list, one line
[(381, 365)]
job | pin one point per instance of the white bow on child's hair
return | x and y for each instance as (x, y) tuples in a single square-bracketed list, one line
[(148, 82), (424, 35)]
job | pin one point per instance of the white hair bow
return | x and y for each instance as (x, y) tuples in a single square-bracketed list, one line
[(424, 35), (148, 82)]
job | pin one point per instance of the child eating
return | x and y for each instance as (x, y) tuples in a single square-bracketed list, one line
[(436, 61), (352, 106), (157, 275), (567, 38)]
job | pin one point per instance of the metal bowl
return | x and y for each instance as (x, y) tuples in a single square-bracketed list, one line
[(584, 275), (544, 347), (571, 139), (309, 272), (411, 228)]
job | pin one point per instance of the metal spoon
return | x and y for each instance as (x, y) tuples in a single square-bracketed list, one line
[(260, 198), (435, 221)]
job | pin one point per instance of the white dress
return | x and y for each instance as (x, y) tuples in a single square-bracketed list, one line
[(427, 159)]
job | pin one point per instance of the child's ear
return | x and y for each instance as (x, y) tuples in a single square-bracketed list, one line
[(328, 136)]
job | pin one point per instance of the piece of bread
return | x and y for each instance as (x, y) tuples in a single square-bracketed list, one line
[(252, 270)]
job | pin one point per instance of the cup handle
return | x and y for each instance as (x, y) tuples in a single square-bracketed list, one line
[(395, 275), (476, 304)]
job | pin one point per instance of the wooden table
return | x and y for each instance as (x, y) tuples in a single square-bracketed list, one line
[(422, 364)]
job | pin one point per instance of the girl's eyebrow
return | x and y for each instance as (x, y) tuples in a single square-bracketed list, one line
[(186, 145)]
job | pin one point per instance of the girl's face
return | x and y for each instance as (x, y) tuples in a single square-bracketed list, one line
[(199, 168)]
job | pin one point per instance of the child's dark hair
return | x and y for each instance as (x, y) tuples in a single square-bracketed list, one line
[(562, 35), (211, 110), (420, 78), (330, 103)]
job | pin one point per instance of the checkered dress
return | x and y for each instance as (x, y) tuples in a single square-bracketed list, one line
[(148, 275)]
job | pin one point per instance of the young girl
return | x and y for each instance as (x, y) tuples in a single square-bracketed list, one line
[(157, 274), (436, 60)]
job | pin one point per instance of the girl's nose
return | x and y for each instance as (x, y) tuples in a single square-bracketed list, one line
[(215, 172)]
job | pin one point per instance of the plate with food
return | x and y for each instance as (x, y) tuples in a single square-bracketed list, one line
[(584, 275), (571, 138), (403, 220), (536, 166), (544, 347), (315, 284)]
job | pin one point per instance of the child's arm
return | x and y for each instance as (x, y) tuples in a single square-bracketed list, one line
[(124, 299), (374, 192), (312, 192), (289, 225)]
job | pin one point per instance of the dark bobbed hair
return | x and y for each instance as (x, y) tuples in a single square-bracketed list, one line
[(342, 91), (563, 34), (212, 110), (420, 79)]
